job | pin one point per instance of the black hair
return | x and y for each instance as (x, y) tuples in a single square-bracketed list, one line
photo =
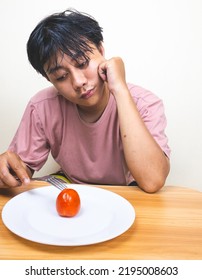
[(69, 32)]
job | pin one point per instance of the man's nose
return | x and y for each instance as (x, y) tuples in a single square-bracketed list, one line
[(78, 79)]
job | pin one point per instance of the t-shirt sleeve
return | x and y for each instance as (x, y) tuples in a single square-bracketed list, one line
[(151, 109), (29, 141)]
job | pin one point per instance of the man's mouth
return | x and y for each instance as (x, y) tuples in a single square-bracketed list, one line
[(87, 94)]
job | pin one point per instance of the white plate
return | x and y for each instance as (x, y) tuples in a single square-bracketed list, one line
[(103, 216)]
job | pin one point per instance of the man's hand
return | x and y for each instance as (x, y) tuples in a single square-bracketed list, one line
[(113, 72), (13, 171)]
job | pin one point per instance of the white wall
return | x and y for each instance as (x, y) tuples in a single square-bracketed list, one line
[(161, 43)]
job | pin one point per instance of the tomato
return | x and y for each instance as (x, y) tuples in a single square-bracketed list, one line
[(68, 203)]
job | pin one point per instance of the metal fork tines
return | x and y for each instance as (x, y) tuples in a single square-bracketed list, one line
[(56, 182)]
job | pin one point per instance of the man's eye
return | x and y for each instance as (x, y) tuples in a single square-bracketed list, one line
[(63, 77), (83, 64)]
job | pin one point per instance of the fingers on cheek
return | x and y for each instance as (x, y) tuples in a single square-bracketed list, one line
[(103, 77), (102, 74)]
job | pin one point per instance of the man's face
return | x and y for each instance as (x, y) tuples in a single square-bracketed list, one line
[(77, 80)]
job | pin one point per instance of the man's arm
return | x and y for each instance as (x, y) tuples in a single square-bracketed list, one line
[(144, 157)]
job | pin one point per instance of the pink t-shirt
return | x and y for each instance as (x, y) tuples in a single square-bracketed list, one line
[(86, 152)]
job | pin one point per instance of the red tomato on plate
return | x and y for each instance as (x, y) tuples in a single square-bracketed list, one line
[(68, 203)]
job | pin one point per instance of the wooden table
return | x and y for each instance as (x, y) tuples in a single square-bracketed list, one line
[(168, 225)]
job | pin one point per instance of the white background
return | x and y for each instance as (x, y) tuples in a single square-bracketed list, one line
[(161, 44)]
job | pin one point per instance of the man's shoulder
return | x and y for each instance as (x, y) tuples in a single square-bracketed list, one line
[(49, 93)]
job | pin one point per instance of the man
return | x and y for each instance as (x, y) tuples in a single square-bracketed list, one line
[(98, 128)]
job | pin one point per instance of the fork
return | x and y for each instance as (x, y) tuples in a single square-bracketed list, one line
[(58, 183)]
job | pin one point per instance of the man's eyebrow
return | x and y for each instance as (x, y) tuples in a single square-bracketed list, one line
[(75, 58), (52, 70)]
